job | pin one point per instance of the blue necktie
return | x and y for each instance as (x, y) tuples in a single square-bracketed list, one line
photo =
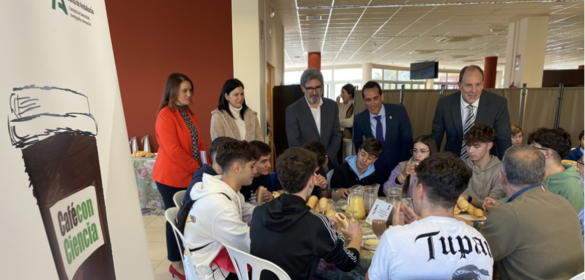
[(379, 130)]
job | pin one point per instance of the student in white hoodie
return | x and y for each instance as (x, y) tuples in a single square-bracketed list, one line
[(220, 213)]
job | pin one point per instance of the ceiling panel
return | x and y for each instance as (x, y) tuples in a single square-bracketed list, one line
[(368, 31)]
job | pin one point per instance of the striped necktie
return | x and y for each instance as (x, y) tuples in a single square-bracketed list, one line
[(469, 122)]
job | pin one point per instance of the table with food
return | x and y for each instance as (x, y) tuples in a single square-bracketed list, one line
[(151, 201), (357, 207)]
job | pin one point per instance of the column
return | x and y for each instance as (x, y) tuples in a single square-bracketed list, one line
[(525, 52), (248, 41), (489, 71), (366, 73), (499, 76), (430, 83), (314, 60)]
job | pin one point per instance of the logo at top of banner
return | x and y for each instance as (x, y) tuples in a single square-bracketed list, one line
[(80, 12)]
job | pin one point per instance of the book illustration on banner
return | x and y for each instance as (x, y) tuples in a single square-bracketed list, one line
[(57, 133)]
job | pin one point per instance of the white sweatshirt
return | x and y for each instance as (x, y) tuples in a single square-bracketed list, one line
[(218, 220)]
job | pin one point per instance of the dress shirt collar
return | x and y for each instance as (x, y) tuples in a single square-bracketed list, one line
[(381, 113), (464, 104)]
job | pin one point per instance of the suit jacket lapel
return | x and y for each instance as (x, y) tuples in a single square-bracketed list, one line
[(482, 108), (309, 116), (456, 111), (367, 125)]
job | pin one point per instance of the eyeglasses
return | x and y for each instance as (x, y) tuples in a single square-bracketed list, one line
[(311, 90), (580, 162)]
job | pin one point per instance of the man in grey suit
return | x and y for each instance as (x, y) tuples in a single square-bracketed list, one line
[(314, 118), (457, 113)]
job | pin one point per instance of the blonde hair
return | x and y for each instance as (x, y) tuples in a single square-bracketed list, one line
[(516, 129)]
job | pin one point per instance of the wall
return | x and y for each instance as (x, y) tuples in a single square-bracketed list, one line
[(249, 62), (154, 39), (274, 35)]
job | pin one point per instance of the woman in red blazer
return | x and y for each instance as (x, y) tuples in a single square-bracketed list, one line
[(180, 144)]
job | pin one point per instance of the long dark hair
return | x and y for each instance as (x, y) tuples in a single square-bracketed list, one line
[(172, 86), (228, 87), (350, 89), (430, 142)]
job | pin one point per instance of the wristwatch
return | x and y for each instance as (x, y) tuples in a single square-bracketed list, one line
[(469, 198)]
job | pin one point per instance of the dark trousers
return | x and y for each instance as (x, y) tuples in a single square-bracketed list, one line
[(167, 193)]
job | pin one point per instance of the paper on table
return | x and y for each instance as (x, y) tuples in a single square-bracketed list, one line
[(380, 211)]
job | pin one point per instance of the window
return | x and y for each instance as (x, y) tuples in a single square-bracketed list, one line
[(403, 75), (327, 75), (448, 79), (376, 74), (292, 77), (389, 75), (347, 74)]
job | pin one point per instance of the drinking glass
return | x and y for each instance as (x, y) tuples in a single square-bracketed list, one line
[(336, 195), (378, 226)]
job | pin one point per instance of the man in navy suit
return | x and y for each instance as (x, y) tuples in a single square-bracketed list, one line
[(389, 123), (471, 105)]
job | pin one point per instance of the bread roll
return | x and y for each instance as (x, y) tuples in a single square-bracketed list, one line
[(259, 197), (312, 201), (463, 204), (330, 213), (470, 209), (275, 194), (457, 210), (478, 213), (371, 244), (323, 204), (342, 220)]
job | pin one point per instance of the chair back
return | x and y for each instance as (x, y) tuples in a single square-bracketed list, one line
[(241, 261), (171, 216), (178, 198), (579, 276)]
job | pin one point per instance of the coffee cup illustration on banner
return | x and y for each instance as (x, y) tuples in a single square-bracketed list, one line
[(57, 134)]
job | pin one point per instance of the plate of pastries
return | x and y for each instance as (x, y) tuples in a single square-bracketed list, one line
[(467, 211)]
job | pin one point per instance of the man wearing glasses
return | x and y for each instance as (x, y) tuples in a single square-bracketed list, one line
[(314, 118), (561, 179)]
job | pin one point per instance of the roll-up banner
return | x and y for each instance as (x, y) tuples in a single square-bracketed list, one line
[(69, 205)]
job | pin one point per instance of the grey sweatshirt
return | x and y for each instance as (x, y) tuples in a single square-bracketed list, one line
[(485, 182)]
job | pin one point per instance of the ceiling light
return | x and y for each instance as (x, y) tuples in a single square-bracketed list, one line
[(313, 17), (272, 12)]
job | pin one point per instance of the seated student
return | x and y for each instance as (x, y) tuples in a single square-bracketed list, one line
[(429, 243), (212, 169), (357, 170), (320, 175), (577, 153), (516, 135), (262, 176), (221, 216), (561, 179), (536, 234), (403, 175), (485, 181), (287, 233)]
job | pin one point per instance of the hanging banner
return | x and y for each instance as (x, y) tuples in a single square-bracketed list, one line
[(60, 97)]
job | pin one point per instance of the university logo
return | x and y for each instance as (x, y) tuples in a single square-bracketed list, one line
[(61, 6)]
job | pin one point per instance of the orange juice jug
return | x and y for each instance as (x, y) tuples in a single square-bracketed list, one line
[(355, 203)]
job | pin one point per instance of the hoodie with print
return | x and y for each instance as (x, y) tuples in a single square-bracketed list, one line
[(221, 217)]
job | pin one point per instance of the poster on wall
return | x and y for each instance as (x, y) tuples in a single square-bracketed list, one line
[(60, 97)]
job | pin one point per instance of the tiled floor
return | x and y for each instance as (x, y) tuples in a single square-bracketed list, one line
[(157, 246)]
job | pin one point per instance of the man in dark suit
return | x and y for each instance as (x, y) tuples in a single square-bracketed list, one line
[(389, 123), (457, 113), (314, 118)]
